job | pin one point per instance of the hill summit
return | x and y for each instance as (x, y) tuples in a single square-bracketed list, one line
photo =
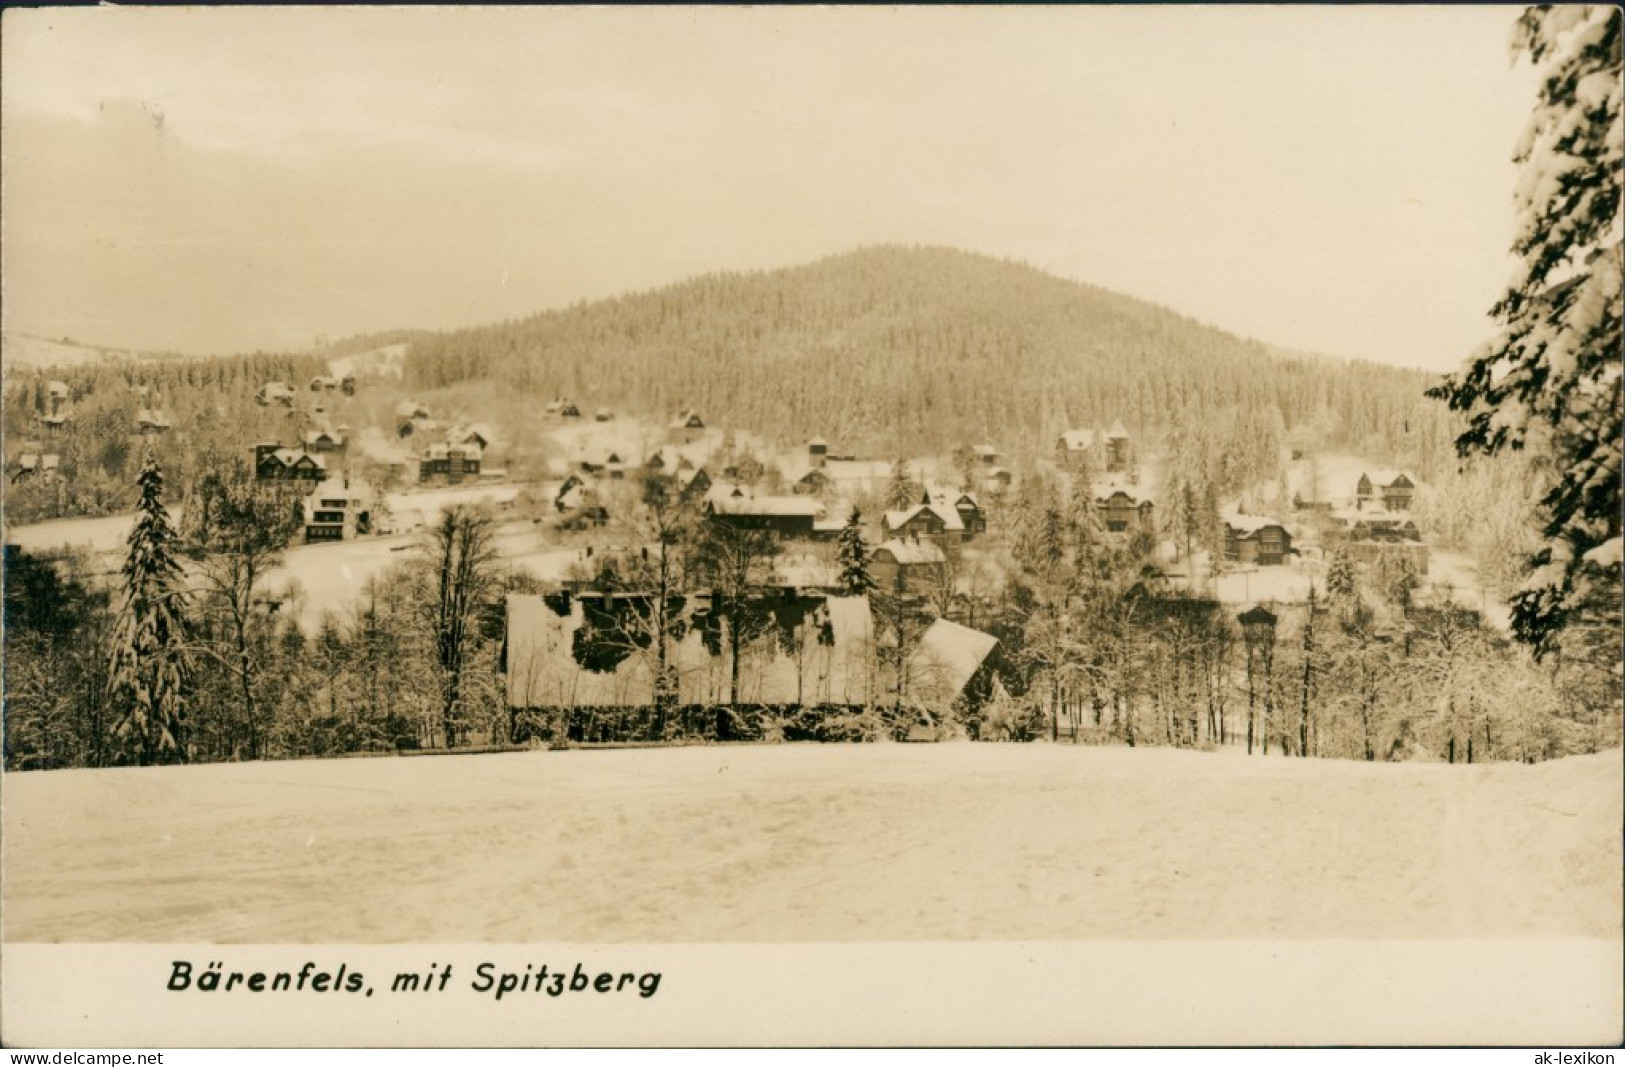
[(907, 348)]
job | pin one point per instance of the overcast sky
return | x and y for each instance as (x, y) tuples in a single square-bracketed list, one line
[(1324, 178)]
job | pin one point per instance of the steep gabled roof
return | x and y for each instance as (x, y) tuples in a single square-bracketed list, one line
[(951, 519), (1137, 495), (1247, 525)]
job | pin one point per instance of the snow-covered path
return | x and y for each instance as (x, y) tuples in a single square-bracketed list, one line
[(813, 843)]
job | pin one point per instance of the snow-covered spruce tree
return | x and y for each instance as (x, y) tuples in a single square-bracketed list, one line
[(1550, 382), (148, 669), (852, 556), (1341, 579), (902, 491)]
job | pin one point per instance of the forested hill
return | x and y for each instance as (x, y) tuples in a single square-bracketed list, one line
[(893, 349)]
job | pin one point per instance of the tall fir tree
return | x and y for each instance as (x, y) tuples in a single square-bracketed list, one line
[(1550, 381), (149, 668), (902, 491), (852, 556)]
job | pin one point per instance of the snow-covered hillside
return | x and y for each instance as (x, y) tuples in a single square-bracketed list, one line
[(814, 843)]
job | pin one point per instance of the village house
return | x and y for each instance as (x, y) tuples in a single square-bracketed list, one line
[(441, 461), (57, 412), (855, 477), (943, 517), (35, 466), (603, 415), (687, 427), (411, 419), (788, 518), (814, 482), (567, 655), (817, 452), (910, 566), (693, 485), (964, 503), (1111, 452), (1388, 490), (347, 385), (324, 383), (149, 421), (1372, 535), (274, 463), (275, 393), (337, 509), (325, 441), (580, 504), (571, 483), (1255, 539), (997, 480), (1123, 508), (476, 434), (1376, 524)]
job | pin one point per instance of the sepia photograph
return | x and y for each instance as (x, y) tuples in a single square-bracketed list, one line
[(1061, 525)]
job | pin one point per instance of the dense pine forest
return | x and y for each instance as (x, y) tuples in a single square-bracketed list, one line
[(894, 350)]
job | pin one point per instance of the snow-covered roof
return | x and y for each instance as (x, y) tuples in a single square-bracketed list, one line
[(333, 488), (727, 504), (465, 431), (831, 669), (1117, 431), (948, 654), (951, 520), (911, 552), (1383, 479), (1250, 524), (984, 450), (287, 457), (409, 409), (1136, 494), (56, 388), (152, 417)]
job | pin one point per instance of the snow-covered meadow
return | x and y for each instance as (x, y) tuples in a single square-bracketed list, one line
[(814, 843)]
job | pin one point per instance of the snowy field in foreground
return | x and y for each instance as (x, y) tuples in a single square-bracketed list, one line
[(810, 843)]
